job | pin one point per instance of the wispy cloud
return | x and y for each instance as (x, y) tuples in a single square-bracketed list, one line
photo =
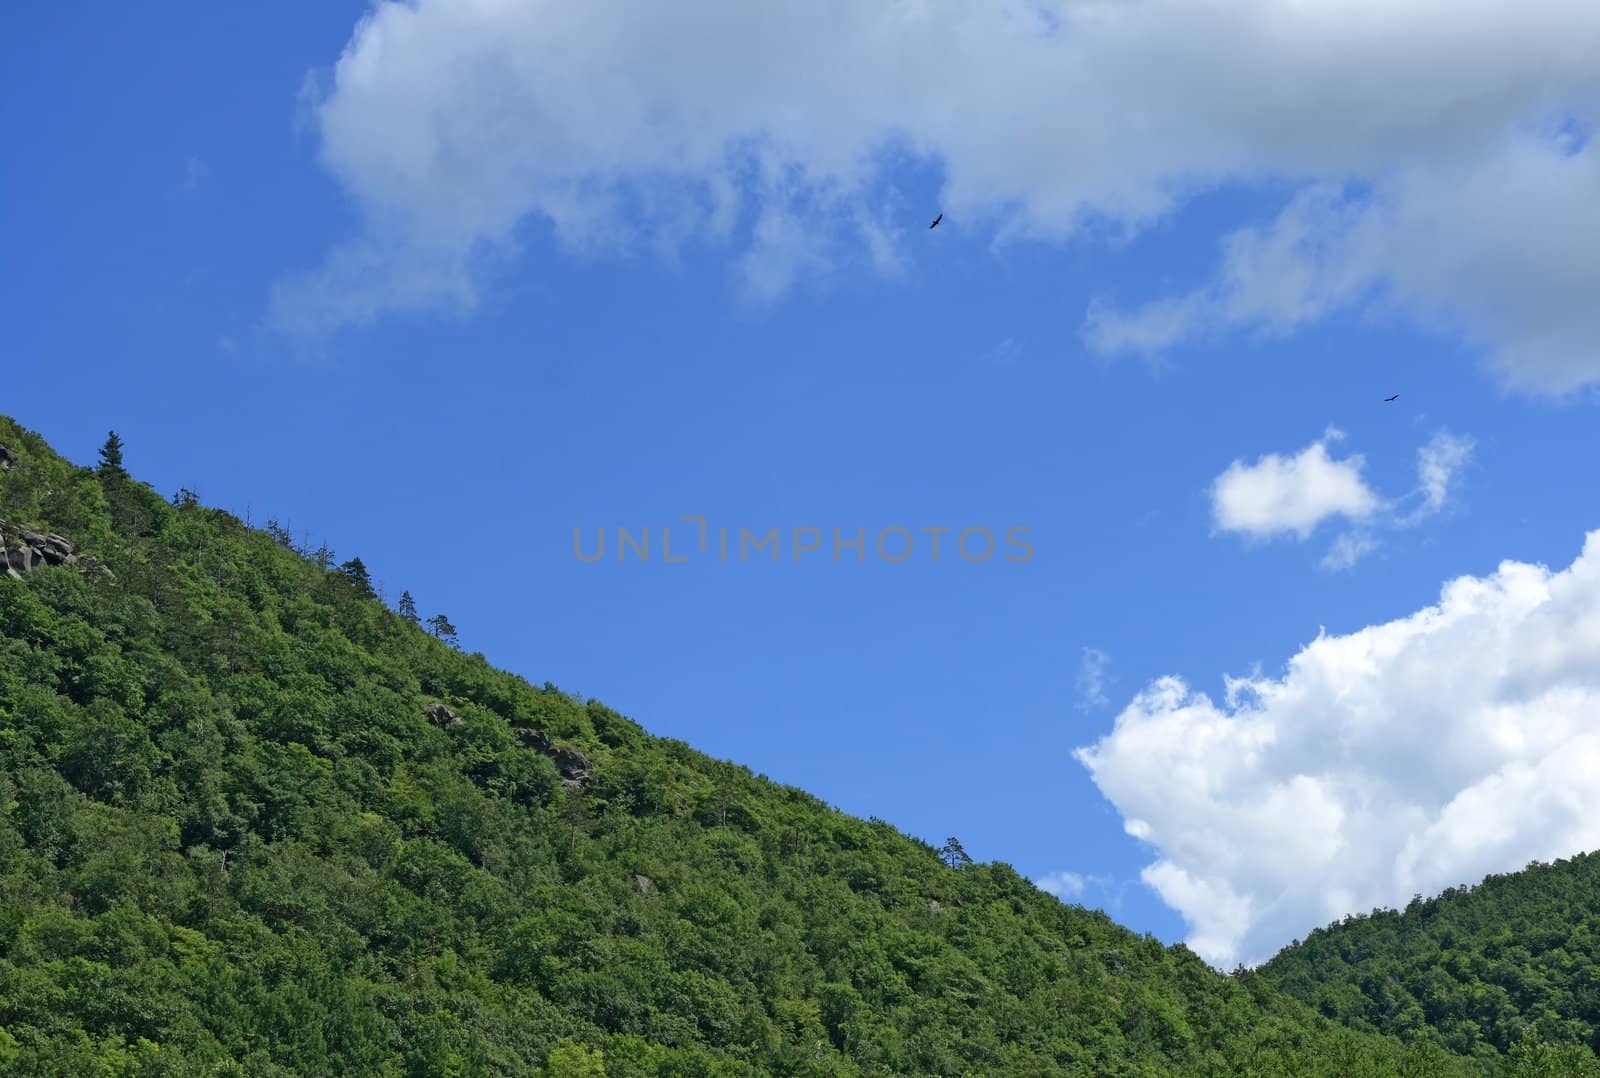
[(1439, 465), (1093, 677), (1071, 885), (195, 172), (1348, 549), (1062, 884), (1430, 178), (1003, 354)]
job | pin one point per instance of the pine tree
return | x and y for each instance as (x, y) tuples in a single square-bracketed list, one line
[(356, 572), (279, 533), (440, 626), (408, 608), (111, 458), (954, 854)]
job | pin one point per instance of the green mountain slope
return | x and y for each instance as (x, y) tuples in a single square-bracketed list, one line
[(1472, 969), (239, 834)]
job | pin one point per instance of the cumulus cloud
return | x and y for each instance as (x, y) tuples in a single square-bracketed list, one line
[(1406, 757), (1436, 152), (1292, 495)]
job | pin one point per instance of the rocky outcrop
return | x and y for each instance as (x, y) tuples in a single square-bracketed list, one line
[(644, 885), (573, 765), (7, 458), (533, 738), (26, 550), (440, 715)]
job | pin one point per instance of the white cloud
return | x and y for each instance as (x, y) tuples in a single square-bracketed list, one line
[(1062, 884), (1280, 495), (1092, 678), (1003, 354), (1406, 757), (1436, 241), (194, 172), (1073, 886), (1348, 549), (1425, 139), (1291, 495), (1276, 279), (1438, 464)]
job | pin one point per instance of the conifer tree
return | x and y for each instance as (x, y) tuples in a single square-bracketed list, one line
[(355, 571), (954, 854), (279, 533), (440, 626), (111, 458), (408, 608)]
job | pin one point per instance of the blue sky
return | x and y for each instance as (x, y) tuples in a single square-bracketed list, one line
[(223, 247)]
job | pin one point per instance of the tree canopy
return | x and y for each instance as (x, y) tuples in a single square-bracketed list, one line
[(1475, 969)]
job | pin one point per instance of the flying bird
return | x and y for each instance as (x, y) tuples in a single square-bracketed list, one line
[(936, 221), (1386, 400)]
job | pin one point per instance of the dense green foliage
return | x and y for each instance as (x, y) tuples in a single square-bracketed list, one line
[(1472, 969), (233, 840)]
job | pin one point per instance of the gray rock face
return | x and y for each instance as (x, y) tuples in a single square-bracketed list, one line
[(440, 715), (573, 765), (7, 458), (644, 885), (534, 738), (26, 550)]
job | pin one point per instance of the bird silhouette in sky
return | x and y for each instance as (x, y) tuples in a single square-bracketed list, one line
[(936, 221), (1386, 400)]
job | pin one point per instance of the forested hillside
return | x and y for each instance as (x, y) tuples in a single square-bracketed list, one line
[(1472, 969), (255, 822)]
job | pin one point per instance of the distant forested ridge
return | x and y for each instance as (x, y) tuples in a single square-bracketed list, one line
[(255, 822), (1474, 969)]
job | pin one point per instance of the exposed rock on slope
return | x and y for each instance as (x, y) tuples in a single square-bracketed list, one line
[(26, 550), (573, 765), (440, 715)]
